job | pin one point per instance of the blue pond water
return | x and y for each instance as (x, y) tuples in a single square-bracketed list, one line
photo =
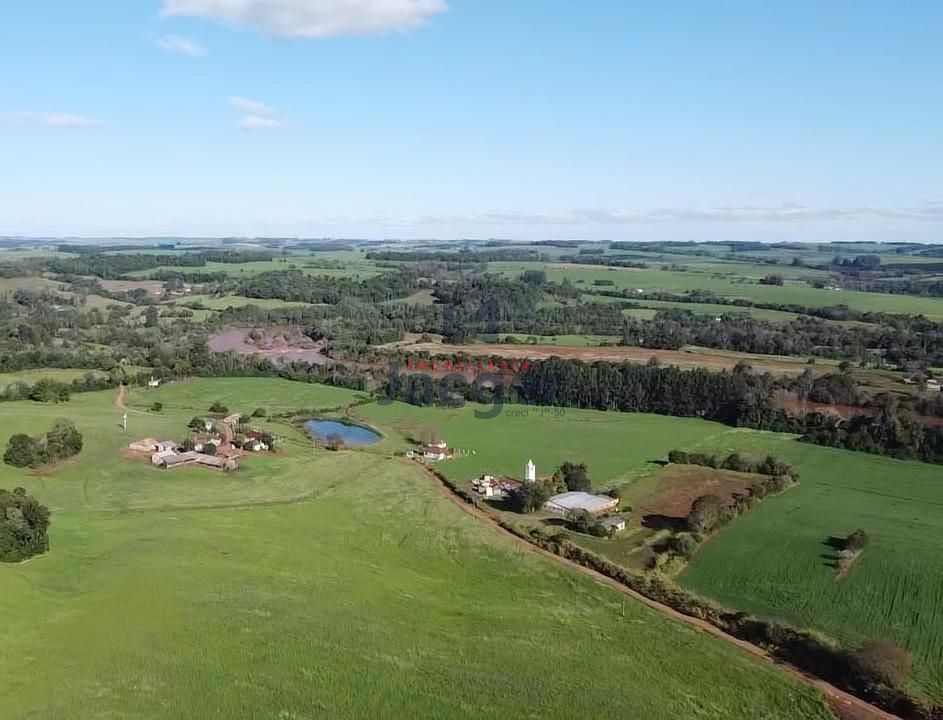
[(351, 434)]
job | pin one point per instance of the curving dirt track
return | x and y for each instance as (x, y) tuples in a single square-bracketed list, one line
[(843, 704)]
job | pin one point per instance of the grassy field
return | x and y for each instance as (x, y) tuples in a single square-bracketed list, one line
[(31, 376), (724, 285), (698, 308), (341, 585), (353, 268)]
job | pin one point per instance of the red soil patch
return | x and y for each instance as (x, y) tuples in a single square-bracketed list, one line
[(680, 485), (280, 343)]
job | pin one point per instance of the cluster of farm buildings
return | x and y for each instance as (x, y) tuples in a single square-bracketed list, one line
[(214, 445), (565, 504)]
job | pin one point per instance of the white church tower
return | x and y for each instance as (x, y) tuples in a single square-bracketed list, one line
[(530, 472)]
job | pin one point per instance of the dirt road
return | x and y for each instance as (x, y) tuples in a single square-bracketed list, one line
[(843, 704)]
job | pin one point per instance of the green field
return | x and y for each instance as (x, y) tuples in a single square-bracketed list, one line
[(651, 306), (352, 268), (31, 376), (722, 284), (337, 585), (774, 561)]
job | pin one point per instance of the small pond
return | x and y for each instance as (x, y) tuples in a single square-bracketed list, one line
[(352, 435)]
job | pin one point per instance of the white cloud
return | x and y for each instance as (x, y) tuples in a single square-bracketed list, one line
[(251, 107), (55, 120), (181, 46), (257, 115), (312, 18)]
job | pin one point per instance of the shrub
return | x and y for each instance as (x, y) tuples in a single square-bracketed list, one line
[(706, 514), (21, 451), (218, 407), (259, 413), (857, 541), (678, 457), (881, 662), (157, 407)]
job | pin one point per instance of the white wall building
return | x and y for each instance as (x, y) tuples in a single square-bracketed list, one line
[(530, 472)]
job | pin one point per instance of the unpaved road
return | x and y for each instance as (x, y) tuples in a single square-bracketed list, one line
[(843, 704)]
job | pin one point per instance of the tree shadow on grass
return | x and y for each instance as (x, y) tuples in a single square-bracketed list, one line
[(664, 522), (836, 545)]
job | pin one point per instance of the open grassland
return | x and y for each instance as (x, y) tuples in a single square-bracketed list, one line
[(245, 394), (34, 283), (341, 585), (794, 292), (697, 308), (31, 376), (617, 447)]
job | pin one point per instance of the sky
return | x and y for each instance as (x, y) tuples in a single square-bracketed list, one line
[(523, 119)]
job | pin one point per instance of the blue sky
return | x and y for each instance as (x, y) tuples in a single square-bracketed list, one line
[(526, 119)]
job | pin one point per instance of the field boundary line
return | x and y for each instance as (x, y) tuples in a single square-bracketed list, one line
[(840, 702)]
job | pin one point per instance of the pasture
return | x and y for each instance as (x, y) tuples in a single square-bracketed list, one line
[(337, 585), (728, 285), (31, 376)]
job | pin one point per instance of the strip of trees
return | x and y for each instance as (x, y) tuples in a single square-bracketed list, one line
[(61, 442)]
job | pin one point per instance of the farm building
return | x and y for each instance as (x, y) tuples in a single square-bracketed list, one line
[(436, 451), (613, 524), (569, 502), (174, 460), (158, 457), (151, 445)]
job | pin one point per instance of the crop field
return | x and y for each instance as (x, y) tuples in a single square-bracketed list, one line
[(775, 561), (337, 585), (794, 292)]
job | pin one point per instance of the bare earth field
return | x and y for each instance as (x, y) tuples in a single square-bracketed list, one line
[(680, 485), (278, 343), (681, 358)]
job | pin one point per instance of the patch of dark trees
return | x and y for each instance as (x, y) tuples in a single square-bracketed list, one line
[(61, 442), (24, 526)]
